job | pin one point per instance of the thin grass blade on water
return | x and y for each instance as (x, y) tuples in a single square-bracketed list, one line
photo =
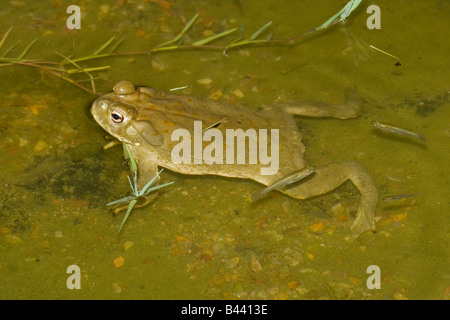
[(133, 186), (104, 46), (149, 183), (130, 207), (213, 37), (126, 199), (260, 30), (179, 35), (136, 193), (5, 36), (157, 187), (129, 156), (341, 15)]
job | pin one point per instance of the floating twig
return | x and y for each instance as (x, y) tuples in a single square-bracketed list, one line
[(172, 45)]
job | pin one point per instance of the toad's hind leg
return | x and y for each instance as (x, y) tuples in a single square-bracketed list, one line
[(331, 176), (350, 109)]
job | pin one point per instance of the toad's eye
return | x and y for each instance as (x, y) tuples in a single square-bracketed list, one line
[(116, 116)]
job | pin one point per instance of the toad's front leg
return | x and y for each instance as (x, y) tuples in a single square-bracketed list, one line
[(331, 176), (147, 170)]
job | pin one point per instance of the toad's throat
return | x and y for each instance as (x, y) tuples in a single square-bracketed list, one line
[(235, 153)]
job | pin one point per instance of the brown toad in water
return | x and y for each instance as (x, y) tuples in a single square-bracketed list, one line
[(146, 118)]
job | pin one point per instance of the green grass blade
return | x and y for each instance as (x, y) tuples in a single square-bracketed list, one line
[(133, 165), (213, 37), (150, 183), (5, 36), (114, 47), (260, 30), (343, 13), (386, 53), (157, 187), (8, 50), (126, 199), (133, 190), (68, 60), (99, 56), (84, 70), (104, 46), (27, 48), (130, 207), (181, 34), (352, 5), (186, 28)]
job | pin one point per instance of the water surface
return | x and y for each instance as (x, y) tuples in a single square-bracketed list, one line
[(202, 238)]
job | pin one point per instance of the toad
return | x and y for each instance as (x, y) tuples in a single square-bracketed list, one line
[(191, 135)]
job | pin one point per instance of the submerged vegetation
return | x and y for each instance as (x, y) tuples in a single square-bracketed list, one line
[(71, 65), (136, 194)]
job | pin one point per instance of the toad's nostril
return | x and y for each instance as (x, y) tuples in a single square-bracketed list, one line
[(103, 105)]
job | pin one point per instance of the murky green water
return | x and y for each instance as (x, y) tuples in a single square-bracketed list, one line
[(202, 238)]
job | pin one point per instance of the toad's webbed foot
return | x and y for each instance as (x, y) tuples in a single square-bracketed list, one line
[(331, 176), (142, 202)]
